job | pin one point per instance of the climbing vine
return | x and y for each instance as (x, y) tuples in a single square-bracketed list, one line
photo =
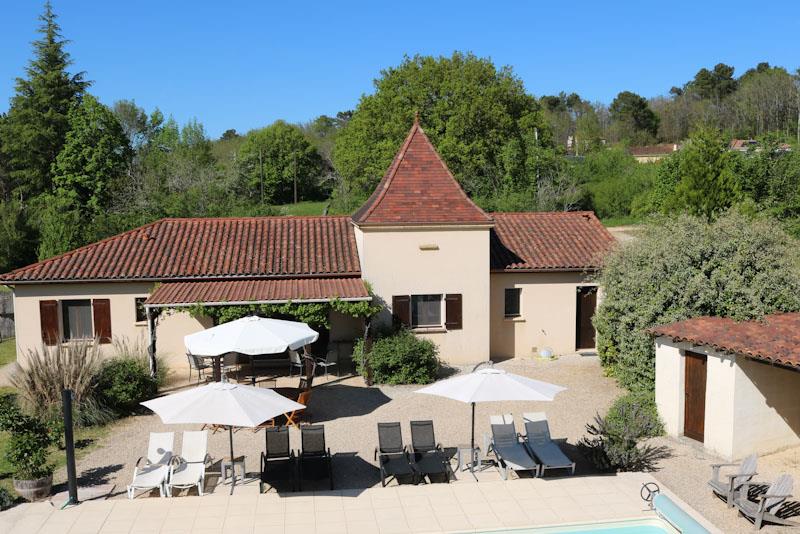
[(313, 313)]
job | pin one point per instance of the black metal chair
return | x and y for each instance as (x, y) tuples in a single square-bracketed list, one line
[(427, 455), (278, 456), (314, 456), (392, 456)]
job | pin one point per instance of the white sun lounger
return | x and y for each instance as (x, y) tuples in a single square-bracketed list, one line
[(541, 445), (189, 469), (151, 471), (510, 453)]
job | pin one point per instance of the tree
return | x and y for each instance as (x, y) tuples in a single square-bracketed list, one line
[(134, 122), (766, 101), (714, 84), (636, 121), (277, 165), (37, 123), (708, 180), (15, 246), (685, 267), (480, 119), (229, 134), (94, 158)]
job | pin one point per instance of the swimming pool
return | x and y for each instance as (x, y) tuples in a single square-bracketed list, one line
[(639, 526)]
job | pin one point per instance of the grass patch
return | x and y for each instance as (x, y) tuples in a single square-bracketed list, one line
[(302, 208), (8, 351), (620, 221)]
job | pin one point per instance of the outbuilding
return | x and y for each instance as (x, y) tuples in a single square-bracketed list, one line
[(733, 386)]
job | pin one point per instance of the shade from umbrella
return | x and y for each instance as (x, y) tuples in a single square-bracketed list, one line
[(250, 335), (224, 404), (491, 385)]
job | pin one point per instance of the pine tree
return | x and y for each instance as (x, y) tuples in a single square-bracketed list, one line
[(36, 127)]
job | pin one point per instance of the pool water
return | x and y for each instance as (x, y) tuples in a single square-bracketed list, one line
[(647, 526)]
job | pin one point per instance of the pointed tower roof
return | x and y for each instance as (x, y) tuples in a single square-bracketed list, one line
[(418, 189)]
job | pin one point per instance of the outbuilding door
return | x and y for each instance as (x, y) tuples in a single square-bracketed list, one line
[(695, 396), (584, 329)]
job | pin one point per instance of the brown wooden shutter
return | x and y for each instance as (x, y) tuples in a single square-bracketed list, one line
[(401, 309), (101, 309), (48, 316), (452, 310)]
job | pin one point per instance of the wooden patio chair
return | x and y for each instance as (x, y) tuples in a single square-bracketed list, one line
[(300, 415)]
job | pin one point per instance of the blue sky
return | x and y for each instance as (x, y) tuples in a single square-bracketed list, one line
[(247, 64)]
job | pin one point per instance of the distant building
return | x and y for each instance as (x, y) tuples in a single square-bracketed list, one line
[(650, 153), (744, 145)]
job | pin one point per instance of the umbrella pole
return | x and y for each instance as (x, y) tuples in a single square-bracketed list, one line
[(472, 443), (233, 465)]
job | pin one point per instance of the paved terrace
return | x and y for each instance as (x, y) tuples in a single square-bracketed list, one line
[(464, 506)]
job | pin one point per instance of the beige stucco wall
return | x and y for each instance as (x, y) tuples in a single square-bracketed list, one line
[(767, 408), (171, 327), (548, 306), (750, 406), (393, 263)]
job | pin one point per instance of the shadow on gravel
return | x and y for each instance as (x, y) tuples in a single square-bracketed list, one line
[(97, 476), (333, 401)]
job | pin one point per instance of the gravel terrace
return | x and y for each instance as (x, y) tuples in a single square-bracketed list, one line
[(350, 412)]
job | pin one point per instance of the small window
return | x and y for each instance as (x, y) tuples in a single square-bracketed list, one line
[(141, 313), (512, 308), (426, 311), (77, 317)]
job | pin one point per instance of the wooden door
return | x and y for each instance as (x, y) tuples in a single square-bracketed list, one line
[(694, 413), (584, 329)]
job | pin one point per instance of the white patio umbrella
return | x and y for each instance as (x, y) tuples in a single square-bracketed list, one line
[(224, 404), (250, 335), (490, 384)]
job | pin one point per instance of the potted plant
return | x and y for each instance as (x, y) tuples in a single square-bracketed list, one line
[(27, 450)]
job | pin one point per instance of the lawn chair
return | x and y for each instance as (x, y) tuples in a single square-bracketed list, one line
[(152, 471), (392, 457), (277, 453), (768, 504), (728, 490), (298, 416), (314, 453), (330, 360), (510, 453), (198, 365), (427, 455), (541, 446), (295, 362), (189, 469)]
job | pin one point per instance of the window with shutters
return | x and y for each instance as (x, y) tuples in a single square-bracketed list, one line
[(512, 307), (426, 311), (77, 318)]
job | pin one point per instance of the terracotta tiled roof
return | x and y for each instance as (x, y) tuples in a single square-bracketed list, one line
[(418, 189), (544, 241), (653, 150), (273, 290), (776, 339), (216, 248)]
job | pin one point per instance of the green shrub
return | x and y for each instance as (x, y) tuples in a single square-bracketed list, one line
[(123, 383), (400, 358), (6, 500), (29, 442), (685, 267), (613, 440)]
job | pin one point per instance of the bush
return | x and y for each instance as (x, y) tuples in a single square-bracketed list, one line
[(6, 500), (613, 441), (51, 369), (28, 446), (124, 382), (685, 267), (400, 358)]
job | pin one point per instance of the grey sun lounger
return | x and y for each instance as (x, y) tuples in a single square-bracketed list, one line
[(511, 454), (392, 456), (427, 455), (768, 505), (728, 489), (542, 446)]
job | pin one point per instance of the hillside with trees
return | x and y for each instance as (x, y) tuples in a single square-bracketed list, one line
[(74, 169)]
